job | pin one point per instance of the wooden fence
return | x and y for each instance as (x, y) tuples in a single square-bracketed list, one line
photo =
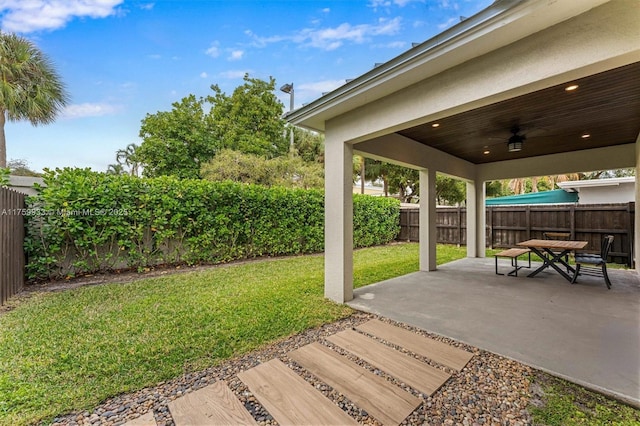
[(508, 225), (11, 243)]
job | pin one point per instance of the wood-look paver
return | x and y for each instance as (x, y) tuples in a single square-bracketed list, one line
[(409, 370), (379, 397), (213, 405), (144, 420), (439, 352), (289, 398)]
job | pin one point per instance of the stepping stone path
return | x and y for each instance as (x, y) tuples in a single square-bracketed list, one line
[(214, 405), (439, 352), (145, 420), (292, 400)]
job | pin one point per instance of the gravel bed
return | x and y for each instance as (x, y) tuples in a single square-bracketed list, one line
[(490, 390)]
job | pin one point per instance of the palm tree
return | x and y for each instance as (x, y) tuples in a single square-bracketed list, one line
[(30, 88), (127, 157), (115, 169)]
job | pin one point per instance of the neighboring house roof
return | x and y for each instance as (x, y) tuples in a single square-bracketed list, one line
[(25, 184), (576, 185), (557, 196)]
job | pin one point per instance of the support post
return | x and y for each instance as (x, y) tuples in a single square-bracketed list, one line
[(428, 231), (476, 219), (637, 215), (338, 260)]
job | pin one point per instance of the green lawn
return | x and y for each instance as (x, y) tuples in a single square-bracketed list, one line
[(566, 404), (61, 352), (68, 351)]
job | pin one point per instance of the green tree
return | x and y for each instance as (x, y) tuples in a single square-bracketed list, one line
[(4, 176), (403, 181), (116, 169), (128, 159), (282, 171), (30, 88), (249, 120), (297, 173), (20, 167), (177, 142), (496, 188), (308, 145), (450, 191)]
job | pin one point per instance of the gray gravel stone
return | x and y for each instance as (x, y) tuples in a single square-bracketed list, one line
[(490, 390)]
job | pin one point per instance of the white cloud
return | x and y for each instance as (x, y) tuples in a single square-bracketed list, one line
[(25, 16), (213, 50), (446, 4), (204, 75), (332, 38), (236, 55), (147, 6), (89, 110), (311, 91), (234, 74), (386, 3), (449, 23), (390, 45), (263, 41)]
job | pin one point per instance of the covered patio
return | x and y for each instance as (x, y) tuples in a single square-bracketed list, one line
[(559, 77), (582, 332), (524, 88)]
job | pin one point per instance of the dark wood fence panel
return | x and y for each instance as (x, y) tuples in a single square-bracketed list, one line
[(11, 243), (409, 225), (508, 225)]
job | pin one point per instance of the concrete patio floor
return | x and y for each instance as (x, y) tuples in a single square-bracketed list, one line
[(582, 332)]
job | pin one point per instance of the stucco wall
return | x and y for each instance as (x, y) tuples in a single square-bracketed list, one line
[(623, 193)]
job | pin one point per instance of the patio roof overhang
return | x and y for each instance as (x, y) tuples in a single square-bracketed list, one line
[(508, 65)]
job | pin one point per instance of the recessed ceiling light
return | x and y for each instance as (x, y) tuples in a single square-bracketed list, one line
[(485, 150), (585, 136), (571, 88), (435, 125)]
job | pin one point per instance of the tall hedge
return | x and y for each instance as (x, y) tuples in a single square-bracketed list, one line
[(85, 222)]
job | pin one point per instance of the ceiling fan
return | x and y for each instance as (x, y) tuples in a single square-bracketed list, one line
[(516, 141)]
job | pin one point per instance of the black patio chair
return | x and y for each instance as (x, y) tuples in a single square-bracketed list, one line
[(596, 264)]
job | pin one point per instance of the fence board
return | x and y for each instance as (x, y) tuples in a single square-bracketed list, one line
[(508, 225), (11, 243)]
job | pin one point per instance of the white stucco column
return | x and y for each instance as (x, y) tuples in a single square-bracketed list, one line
[(476, 219), (338, 217), (636, 231), (471, 219), (427, 220)]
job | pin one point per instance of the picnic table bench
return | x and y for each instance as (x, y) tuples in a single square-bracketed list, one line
[(513, 254)]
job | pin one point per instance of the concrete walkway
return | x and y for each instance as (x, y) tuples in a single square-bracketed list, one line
[(582, 332)]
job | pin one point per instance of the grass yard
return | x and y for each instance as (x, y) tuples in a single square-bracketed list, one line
[(67, 351), (564, 404)]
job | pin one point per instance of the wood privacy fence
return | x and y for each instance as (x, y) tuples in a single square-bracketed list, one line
[(11, 243), (508, 225)]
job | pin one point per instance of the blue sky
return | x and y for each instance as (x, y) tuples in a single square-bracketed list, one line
[(122, 59)]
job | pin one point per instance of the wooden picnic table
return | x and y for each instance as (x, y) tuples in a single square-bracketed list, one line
[(553, 252)]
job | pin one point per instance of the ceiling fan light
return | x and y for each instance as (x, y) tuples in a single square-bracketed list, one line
[(514, 146)]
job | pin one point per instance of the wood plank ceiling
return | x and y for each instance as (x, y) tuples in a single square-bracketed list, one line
[(605, 106)]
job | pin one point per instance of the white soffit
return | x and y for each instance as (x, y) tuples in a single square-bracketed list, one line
[(502, 23)]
